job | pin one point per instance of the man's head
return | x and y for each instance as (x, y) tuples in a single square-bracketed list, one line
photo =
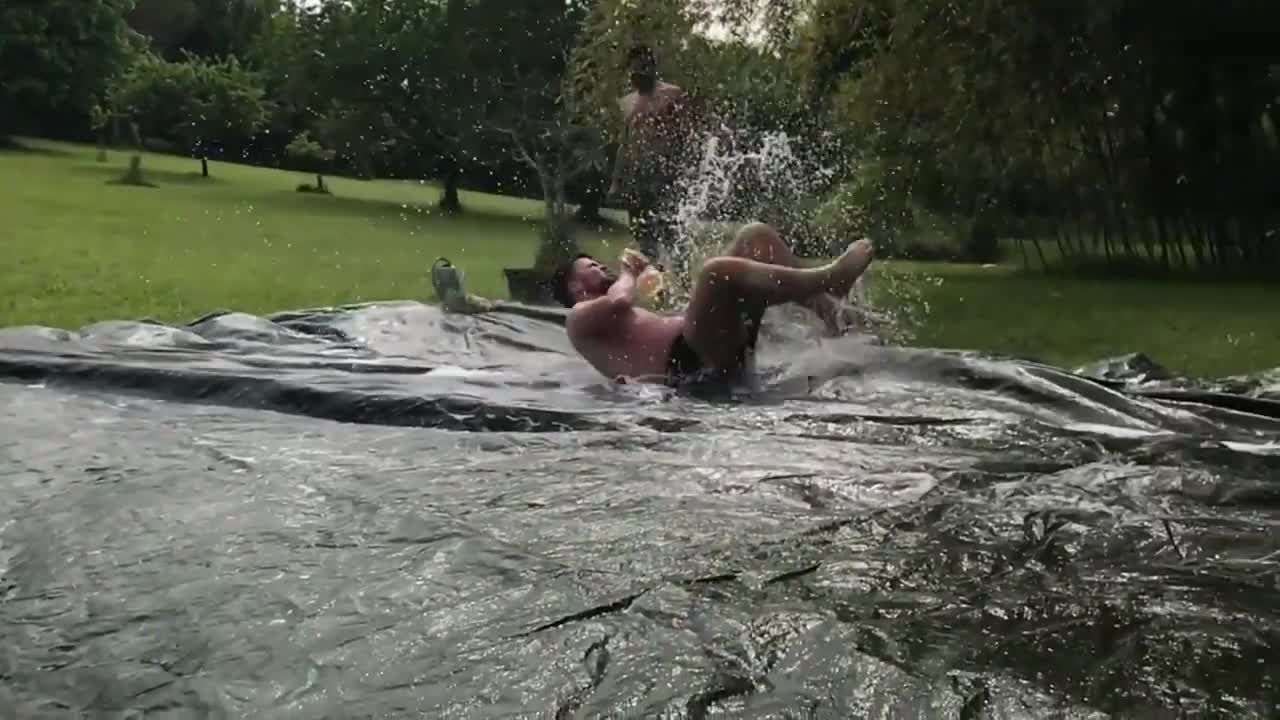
[(581, 279), (643, 67)]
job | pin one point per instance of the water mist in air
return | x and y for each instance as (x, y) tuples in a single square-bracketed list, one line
[(738, 179)]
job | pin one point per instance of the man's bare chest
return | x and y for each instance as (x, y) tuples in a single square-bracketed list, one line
[(657, 109)]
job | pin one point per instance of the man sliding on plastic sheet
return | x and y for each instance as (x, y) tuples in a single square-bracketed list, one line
[(713, 338)]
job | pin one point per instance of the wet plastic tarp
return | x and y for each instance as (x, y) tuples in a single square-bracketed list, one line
[(388, 511)]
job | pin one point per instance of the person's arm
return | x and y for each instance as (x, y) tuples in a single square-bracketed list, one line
[(604, 312)]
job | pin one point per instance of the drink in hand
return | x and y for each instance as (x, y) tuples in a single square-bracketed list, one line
[(650, 282)]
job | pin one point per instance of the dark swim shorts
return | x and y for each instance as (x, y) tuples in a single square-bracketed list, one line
[(684, 367)]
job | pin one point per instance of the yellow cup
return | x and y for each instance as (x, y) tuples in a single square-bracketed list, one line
[(650, 282)]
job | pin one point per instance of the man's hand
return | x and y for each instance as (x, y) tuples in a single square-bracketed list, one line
[(602, 315), (634, 262)]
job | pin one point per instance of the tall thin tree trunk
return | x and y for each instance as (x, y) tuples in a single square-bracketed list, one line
[(449, 201), (1186, 233), (1104, 227), (1077, 225), (1162, 237), (589, 210), (1062, 237), (1177, 245), (1213, 252)]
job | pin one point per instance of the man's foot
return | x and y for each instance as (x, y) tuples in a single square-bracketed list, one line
[(846, 270)]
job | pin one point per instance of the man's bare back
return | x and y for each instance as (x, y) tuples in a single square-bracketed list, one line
[(638, 345)]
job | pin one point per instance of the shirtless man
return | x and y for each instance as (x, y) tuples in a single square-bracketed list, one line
[(714, 336), (658, 123)]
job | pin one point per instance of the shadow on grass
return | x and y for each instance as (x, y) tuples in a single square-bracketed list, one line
[(18, 147), (109, 171), (1140, 269), (123, 182), (336, 205)]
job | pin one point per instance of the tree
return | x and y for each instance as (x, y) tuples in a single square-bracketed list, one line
[(361, 134), (56, 58), (211, 29), (1123, 131), (313, 156), (353, 75), (514, 58), (164, 23), (423, 83), (610, 29), (206, 105), (734, 62)]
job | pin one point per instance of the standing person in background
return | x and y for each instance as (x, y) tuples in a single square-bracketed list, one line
[(656, 146)]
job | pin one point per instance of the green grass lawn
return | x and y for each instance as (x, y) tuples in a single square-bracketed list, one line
[(79, 249), (76, 250), (1201, 328)]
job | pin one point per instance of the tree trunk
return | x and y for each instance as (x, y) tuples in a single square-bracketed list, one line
[(1188, 235), (589, 210), (102, 143), (319, 182), (1162, 237), (449, 201), (133, 175), (557, 242), (1177, 243), (1228, 253), (1044, 263), (1061, 236), (1102, 217), (1212, 251), (204, 166)]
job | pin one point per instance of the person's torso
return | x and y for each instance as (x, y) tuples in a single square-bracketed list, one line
[(657, 125), (639, 345)]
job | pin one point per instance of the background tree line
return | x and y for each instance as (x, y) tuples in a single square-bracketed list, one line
[(1118, 132)]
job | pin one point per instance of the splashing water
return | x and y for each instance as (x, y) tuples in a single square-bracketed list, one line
[(737, 181), (733, 180)]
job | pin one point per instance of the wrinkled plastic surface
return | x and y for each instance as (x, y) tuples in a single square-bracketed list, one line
[(490, 530)]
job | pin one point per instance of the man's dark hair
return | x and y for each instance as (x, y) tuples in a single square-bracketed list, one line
[(560, 281), (641, 52)]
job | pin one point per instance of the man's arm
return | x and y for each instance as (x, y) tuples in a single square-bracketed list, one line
[(595, 316)]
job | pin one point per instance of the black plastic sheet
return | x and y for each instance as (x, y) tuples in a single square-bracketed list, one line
[(388, 511)]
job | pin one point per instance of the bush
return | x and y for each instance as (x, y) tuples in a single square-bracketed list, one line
[(982, 244), (900, 230), (799, 225)]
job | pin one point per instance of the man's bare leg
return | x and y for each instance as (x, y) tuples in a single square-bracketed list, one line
[(762, 243), (731, 285)]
